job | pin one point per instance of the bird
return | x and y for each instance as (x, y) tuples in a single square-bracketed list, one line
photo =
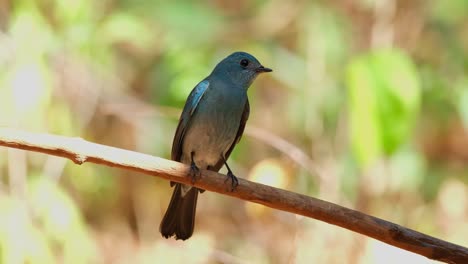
[(211, 124)]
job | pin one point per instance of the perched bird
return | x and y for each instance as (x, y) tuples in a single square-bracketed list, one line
[(211, 124)]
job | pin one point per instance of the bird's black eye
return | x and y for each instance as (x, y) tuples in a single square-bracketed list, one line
[(244, 63)]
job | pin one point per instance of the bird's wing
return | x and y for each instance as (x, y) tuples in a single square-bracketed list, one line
[(184, 121), (240, 131)]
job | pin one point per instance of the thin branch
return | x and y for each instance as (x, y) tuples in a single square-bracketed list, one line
[(80, 151), (293, 152)]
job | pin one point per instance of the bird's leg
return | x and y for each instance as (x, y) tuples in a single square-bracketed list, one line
[(194, 170), (230, 175)]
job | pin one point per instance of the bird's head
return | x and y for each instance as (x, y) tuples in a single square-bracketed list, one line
[(241, 68)]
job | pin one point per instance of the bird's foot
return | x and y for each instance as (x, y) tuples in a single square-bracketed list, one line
[(234, 180), (194, 172)]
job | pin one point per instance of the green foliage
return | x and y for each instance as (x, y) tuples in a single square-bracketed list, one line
[(61, 222), (20, 241), (384, 91), (29, 233), (123, 27), (449, 12)]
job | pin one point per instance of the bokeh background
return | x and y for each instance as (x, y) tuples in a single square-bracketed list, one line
[(367, 107)]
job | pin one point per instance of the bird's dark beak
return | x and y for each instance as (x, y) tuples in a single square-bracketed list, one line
[(263, 69)]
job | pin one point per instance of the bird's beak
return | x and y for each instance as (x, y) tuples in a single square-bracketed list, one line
[(263, 69)]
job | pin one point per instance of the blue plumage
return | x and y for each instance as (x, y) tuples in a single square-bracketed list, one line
[(211, 124)]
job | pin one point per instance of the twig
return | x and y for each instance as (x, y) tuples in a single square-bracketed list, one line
[(80, 151), (292, 151)]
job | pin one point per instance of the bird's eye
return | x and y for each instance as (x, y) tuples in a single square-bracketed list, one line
[(244, 63)]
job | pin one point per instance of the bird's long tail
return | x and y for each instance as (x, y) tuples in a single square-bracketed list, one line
[(179, 219)]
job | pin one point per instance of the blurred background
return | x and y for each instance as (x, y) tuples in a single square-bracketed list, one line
[(367, 107)]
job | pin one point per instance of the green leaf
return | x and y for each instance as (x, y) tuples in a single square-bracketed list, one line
[(384, 98)]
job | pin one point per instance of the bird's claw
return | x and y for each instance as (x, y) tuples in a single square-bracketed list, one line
[(194, 172), (234, 180)]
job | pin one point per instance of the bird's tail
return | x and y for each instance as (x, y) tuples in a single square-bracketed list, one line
[(179, 219)]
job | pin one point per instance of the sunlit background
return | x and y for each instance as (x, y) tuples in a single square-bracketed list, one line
[(367, 107)]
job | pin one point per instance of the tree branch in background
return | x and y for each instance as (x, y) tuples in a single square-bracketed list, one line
[(80, 151)]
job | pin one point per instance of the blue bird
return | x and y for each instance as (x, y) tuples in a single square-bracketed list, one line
[(211, 124)]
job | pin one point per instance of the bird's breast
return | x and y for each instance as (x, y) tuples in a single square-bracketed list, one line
[(214, 125)]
